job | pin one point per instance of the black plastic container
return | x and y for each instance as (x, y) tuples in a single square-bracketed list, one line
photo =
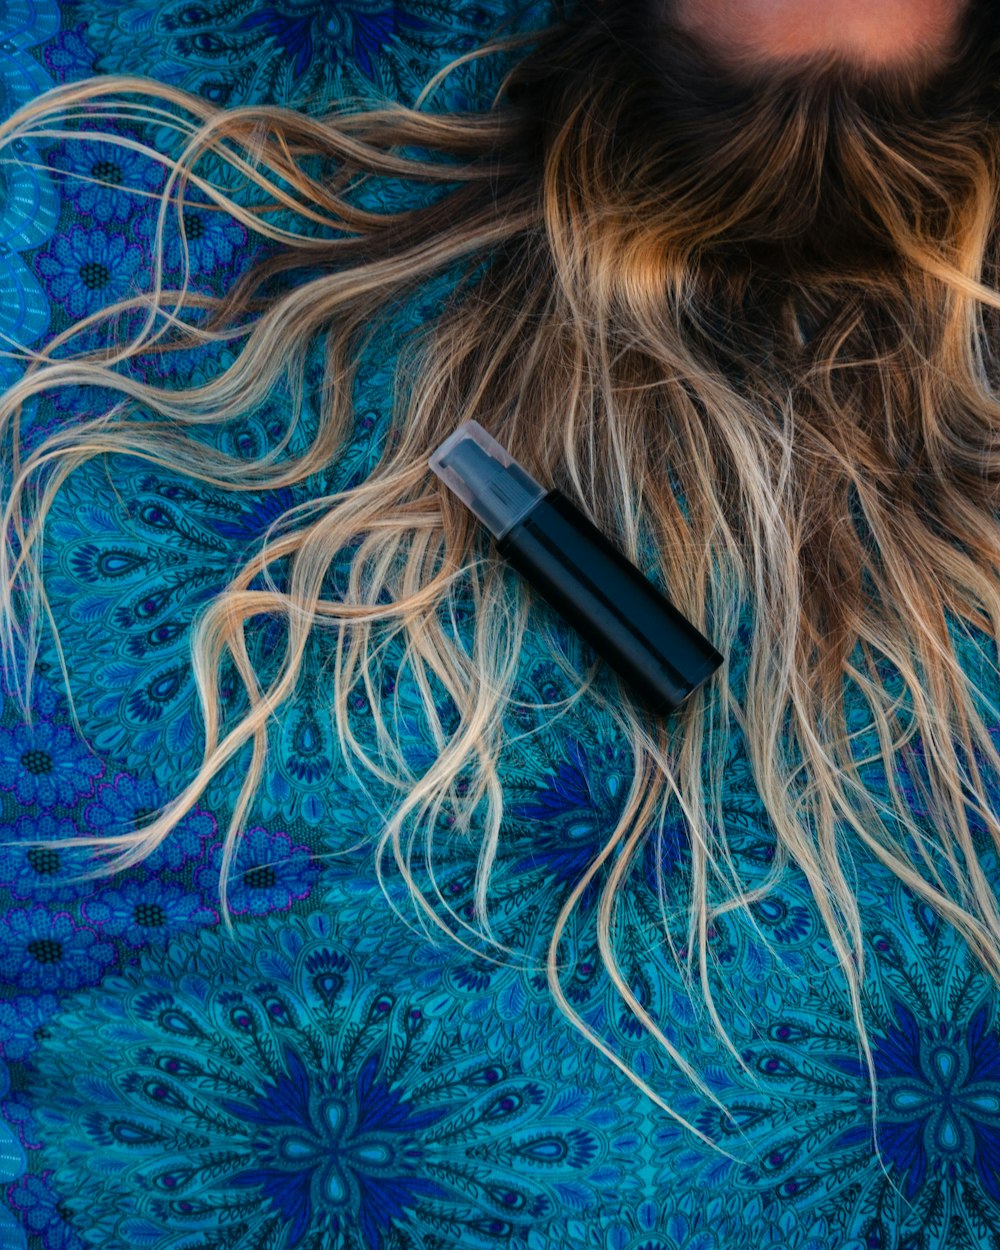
[(587, 580)]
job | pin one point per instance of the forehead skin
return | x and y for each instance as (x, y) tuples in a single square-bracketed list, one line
[(887, 33)]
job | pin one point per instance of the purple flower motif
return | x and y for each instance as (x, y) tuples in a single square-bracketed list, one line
[(132, 801), (268, 874), (41, 872), (87, 270), (140, 912), (46, 763), (23, 1023), (41, 950), (101, 176)]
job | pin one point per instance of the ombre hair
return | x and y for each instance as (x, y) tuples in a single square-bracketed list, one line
[(746, 321)]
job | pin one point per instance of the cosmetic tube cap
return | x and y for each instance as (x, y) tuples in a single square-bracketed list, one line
[(485, 477)]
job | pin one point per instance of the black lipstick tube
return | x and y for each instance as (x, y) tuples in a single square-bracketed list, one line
[(588, 581)]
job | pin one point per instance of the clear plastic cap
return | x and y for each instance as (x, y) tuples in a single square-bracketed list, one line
[(485, 477)]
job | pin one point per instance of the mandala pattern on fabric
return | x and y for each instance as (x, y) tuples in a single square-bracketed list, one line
[(809, 1117), (294, 1080), (297, 51), (339, 1082)]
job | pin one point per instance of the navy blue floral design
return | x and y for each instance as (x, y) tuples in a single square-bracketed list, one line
[(570, 815), (45, 950), (295, 51), (42, 1214), (338, 1134), (941, 1104), (129, 802), (99, 175), (269, 873), (46, 763), (145, 911), (43, 872), (85, 270), (22, 1023)]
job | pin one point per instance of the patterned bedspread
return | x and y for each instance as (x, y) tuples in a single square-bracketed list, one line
[(331, 1075)]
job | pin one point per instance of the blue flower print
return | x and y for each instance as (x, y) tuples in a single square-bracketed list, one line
[(269, 873), (46, 763), (100, 176), (23, 1024), (43, 872), (140, 912), (212, 239), (69, 56), (87, 270), (42, 1213), (132, 801), (42, 950)]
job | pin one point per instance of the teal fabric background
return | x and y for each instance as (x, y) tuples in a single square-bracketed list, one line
[(333, 1077)]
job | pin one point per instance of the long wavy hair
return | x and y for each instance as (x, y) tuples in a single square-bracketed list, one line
[(746, 320)]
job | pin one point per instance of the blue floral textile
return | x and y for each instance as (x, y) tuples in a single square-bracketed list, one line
[(331, 1076)]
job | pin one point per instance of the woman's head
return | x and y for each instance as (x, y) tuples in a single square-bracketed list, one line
[(907, 34), (744, 318)]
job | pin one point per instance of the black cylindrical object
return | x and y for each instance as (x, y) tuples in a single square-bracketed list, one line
[(599, 592), (608, 601)]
